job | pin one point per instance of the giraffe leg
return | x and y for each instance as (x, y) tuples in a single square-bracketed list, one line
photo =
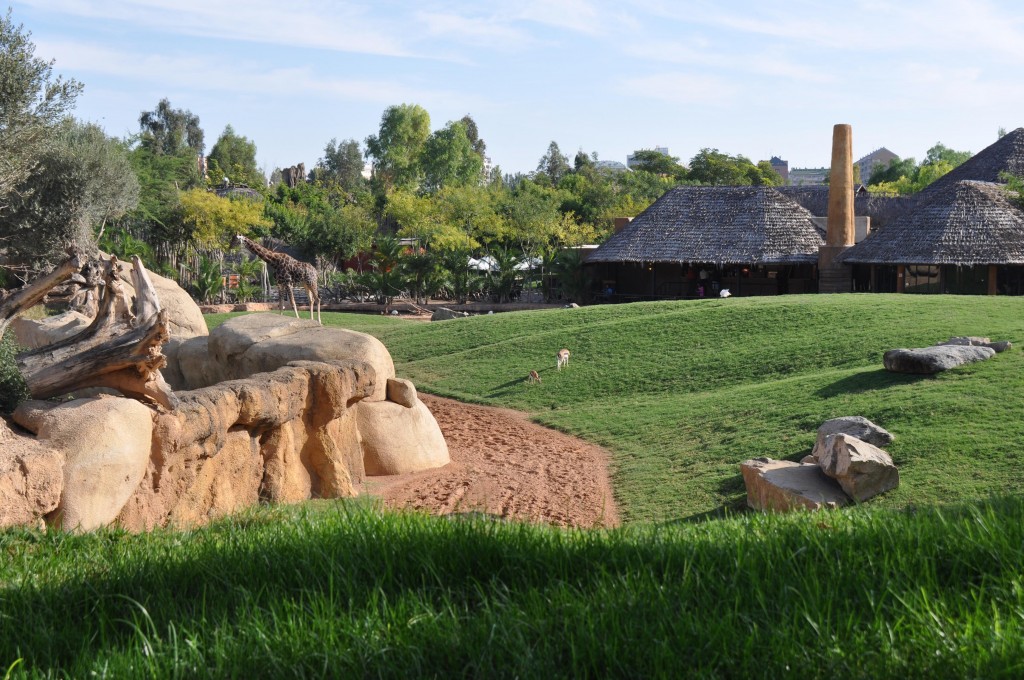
[(291, 296), (314, 299)]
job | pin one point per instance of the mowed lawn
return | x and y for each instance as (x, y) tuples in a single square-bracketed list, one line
[(681, 392)]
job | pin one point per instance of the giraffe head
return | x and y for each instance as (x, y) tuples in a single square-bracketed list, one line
[(237, 241)]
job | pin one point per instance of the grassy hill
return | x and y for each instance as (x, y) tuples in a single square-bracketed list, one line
[(681, 392), (922, 582)]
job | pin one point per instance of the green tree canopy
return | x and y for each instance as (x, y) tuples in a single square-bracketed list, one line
[(396, 149), (33, 101), (658, 163), (82, 180), (214, 220), (342, 163), (553, 164), (449, 158), (942, 153), (166, 129), (712, 167), (235, 156)]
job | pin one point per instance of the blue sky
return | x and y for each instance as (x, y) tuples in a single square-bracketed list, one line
[(757, 78)]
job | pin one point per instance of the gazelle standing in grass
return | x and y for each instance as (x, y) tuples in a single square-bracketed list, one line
[(563, 358), (534, 377)]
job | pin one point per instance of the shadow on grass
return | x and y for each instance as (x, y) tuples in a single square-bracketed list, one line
[(870, 380), (506, 388)]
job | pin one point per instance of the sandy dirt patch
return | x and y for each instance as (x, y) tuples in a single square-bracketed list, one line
[(502, 464)]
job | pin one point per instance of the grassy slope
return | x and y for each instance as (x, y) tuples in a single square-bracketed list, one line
[(680, 392), (334, 590)]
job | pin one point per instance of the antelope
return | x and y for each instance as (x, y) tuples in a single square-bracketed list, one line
[(534, 377), (563, 358)]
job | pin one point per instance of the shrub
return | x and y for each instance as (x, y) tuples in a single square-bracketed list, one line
[(13, 389)]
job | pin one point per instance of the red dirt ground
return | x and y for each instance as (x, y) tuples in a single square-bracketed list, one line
[(504, 465)]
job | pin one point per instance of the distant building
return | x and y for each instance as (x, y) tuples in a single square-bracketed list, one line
[(780, 166), (631, 161), (610, 165), (878, 157), (807, 176)]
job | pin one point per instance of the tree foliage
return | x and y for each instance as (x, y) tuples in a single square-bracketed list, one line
[(904, 176), (214, 220), (82, 180), (714, 168), (553, 164), (449, 158), (166, 130), (235, 158), (33, 101), (657, 163), (342, 164), (397, 147)]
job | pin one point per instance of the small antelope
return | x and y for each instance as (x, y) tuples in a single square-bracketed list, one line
[(563, 358), (534, 377)]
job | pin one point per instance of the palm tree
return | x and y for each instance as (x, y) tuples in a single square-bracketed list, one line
[(572, 276)]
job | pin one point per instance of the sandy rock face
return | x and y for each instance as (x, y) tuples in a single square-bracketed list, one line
[(397, 439), (283, 436), (783, 485), (35, 333), (258, 343), (106, 444), (857, 426), (31, 478)]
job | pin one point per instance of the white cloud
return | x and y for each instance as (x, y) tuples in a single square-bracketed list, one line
[(301, 23), (490, 31), (765, 62)]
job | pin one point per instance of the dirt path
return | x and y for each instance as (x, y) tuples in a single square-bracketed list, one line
[(503, 464)]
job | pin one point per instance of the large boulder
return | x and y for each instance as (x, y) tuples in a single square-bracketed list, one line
[(782, 485), (398, 437), (862, 469), (35, 333), (934, 359), (260, 343), (445, 314), (106, 444), (857, 426), (977, 341)]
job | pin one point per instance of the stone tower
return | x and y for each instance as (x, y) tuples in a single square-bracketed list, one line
[(834, 277)]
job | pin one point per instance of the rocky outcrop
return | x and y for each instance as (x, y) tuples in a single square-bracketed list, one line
[(976, 341), (445, 314), (929, 360), (862, 469), (258, 343), (31, 479), (283, 436), (104, 446), (35, 333), (400, 435), (782, 485), (857, 426)]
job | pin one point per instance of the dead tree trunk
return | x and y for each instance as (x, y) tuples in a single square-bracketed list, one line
[(118, 350), (32, 294)]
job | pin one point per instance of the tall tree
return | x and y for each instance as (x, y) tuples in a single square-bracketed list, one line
[(32, 102), (658, 163), (166, 129), (941, 152), (81, 181), (342, 163), (397, 147), (449, 159), (553, 164), (473, 133), (235, 156), (712, 167)]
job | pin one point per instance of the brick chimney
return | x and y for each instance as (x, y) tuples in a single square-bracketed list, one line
[(839, 234)]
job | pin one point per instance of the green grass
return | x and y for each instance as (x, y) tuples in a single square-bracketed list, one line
[(337, 589), (681, 392)]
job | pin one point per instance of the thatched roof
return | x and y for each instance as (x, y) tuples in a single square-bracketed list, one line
[(970, 223), (719, 225), (1006, 155)]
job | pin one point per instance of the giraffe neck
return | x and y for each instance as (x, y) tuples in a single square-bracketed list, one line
[(264, 254)]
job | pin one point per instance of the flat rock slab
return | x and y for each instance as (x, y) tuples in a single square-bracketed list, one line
[(783, 485), (934, 359)]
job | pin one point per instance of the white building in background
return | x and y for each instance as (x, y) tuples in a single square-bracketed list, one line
[(631, 158)]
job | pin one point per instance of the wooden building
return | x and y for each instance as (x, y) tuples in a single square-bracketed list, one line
[(696, 240)]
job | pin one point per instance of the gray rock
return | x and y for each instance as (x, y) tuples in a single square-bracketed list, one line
[(934, 359), (783, 485), (445, 314), (976, 341), (862, 470), (857, 426)]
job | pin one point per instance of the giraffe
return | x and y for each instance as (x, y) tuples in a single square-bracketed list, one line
[(289, 272)]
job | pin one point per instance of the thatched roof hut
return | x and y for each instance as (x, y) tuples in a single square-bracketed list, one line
[(970, 223), (1005, 155), (717, 225)]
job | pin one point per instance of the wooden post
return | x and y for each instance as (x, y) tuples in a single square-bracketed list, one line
[(900, 277), (993, 279)]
